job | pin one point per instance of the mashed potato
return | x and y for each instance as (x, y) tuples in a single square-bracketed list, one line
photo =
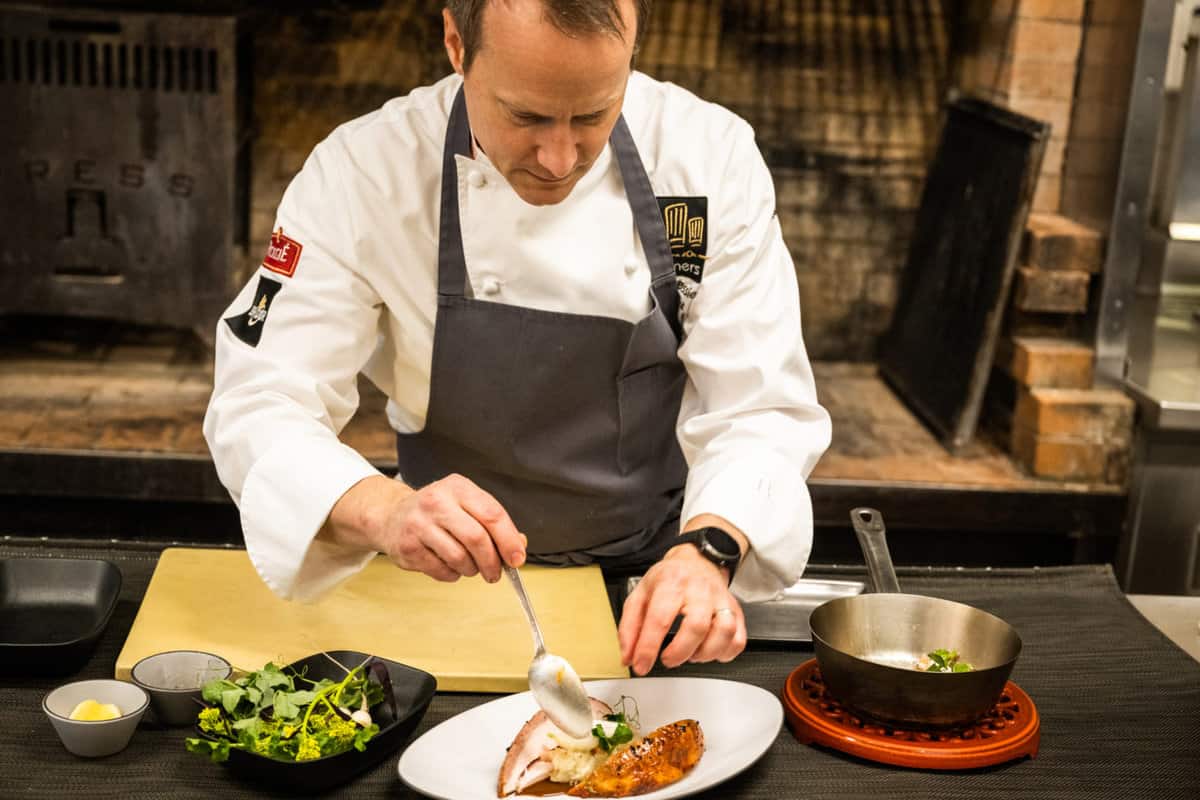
[(574, 759), (572, 766)]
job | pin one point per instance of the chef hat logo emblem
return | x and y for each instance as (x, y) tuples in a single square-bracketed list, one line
[(675, 217), (683, 230)]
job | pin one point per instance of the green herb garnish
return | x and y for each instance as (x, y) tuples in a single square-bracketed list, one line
[(626, 722), (947, 661), (622, 734), (266, 713)]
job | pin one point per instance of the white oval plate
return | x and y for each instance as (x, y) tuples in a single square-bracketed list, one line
[(460, 758)]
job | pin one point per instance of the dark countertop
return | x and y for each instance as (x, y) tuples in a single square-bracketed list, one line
[(1119, 704)]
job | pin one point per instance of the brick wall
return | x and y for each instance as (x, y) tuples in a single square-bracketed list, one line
[(317, 67), (1067, 62), (1026, 59), (844, 97)]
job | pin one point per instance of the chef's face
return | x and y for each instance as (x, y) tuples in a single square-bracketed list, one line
[(542, 104)]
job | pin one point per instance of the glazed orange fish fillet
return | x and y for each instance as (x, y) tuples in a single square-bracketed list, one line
[(664, 756)]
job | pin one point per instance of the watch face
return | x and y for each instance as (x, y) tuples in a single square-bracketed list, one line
[(721, 542)]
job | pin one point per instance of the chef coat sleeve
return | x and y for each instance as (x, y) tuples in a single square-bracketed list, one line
[(750, 425), (278, 405)]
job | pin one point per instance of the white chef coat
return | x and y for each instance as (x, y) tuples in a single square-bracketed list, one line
[(363, 297)]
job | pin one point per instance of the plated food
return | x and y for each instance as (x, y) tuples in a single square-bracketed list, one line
[(614, 761), (460, 757)]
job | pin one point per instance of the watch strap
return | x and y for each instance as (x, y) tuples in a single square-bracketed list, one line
[(715, 545)]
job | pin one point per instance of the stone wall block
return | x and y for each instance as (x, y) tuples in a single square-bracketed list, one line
[(1059, 291)]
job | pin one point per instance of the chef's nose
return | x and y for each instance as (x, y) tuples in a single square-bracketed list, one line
[(557, 151)]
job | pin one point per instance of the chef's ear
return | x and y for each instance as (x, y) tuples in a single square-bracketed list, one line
[(453, 41)]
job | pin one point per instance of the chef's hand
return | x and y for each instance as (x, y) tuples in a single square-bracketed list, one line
[(448, 530), (682, 583)]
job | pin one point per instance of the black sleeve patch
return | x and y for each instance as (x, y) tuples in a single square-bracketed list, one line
[(248, 326), (686, 221)]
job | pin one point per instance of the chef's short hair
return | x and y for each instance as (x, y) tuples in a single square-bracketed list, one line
[(572, 17)]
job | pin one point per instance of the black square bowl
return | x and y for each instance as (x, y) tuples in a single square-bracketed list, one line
[(412, 689), (52, 612)]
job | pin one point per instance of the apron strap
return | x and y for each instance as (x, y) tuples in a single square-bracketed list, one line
[(452, 263), (648, 218)]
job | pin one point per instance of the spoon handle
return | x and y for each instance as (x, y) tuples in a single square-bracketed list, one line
[(539, 646)]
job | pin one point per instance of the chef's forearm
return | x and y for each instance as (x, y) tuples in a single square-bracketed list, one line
[(359, 515)]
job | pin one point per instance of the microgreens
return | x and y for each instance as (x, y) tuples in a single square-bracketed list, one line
[(268, 713), (626, 721), (947, 661)]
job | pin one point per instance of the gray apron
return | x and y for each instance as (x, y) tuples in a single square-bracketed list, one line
[(567, 419)]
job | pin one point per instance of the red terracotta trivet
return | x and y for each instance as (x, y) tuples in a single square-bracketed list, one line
[(1009, 731)]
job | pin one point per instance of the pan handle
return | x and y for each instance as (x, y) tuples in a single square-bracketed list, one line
[(868, 527)]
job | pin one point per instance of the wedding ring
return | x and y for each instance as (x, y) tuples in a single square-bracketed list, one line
[(723, 611)]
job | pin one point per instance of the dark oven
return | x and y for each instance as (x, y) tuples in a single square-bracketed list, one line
[(122, 165)]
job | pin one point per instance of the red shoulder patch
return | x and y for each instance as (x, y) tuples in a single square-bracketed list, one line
[(283, 254)]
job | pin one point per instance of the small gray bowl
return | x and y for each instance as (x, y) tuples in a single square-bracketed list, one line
[(92, 739), (174, 679)]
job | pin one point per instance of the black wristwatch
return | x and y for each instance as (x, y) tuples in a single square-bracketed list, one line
[(717, 546)]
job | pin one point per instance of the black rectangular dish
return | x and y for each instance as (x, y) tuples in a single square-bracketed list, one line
[(52, 612), (412, 689)]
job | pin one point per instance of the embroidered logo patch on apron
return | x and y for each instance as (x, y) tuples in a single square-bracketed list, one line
[(248, 326), (686, 221)]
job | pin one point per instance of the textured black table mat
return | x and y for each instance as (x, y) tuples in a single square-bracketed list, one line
[(1119, 704)]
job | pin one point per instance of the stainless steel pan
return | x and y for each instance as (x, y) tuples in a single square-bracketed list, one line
[(868, 646)]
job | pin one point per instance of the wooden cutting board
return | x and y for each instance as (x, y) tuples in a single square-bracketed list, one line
[(471, 634)]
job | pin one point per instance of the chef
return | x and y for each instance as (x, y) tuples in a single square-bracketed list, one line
[(570, 282)]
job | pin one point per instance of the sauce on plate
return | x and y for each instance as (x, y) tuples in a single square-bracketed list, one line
[(544, 788)]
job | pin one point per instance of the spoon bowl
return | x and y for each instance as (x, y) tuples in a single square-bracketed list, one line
[(554, 684)]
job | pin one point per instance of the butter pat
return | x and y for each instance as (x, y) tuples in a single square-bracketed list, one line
[(91, 711)]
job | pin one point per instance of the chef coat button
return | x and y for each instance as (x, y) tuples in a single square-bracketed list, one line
[(490, 286), (631, 267), (477, 179)]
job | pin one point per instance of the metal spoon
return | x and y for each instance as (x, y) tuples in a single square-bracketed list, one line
[(554, 684)]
